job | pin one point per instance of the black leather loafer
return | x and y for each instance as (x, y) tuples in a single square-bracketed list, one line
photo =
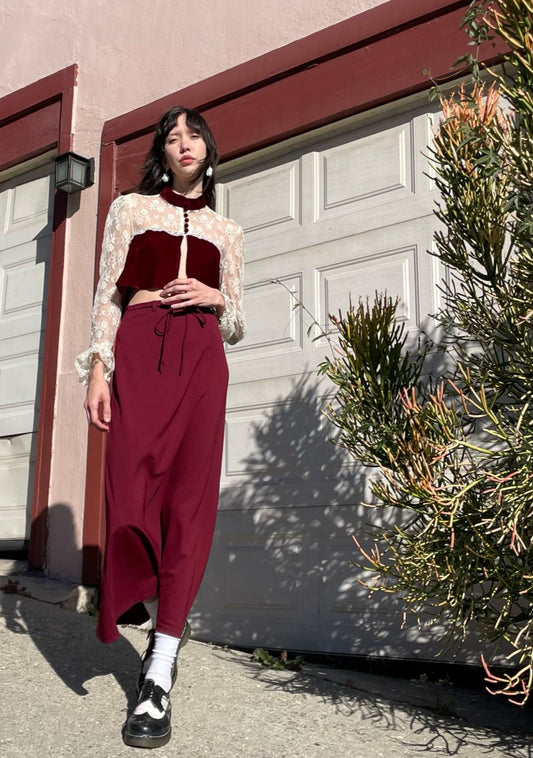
[(152, 727), (185, 636)]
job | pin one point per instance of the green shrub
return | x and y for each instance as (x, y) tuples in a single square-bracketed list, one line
[(455, 454)]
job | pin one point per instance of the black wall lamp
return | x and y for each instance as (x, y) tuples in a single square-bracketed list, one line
[(74, 172)]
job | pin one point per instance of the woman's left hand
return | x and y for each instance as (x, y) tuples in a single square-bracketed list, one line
[(187, 293)]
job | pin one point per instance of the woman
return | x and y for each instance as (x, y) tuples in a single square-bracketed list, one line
[(169, 293)]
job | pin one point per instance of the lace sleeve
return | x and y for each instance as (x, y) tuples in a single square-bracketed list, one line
[(107, 307), (232, 324)]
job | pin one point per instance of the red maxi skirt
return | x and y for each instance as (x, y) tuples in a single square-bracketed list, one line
[(163, 460)]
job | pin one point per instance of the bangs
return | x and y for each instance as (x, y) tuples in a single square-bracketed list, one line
[(194, 121)]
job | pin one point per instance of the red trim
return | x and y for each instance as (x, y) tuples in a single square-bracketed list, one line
[(373, 58), (94, 518), (20, 139), (33, 120), (334, 41), (94, 521), (34, 96)]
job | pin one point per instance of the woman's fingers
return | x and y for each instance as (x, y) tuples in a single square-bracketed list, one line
[(98, 409), (106, 408), (178, 287), (97, 421), (181, 293)]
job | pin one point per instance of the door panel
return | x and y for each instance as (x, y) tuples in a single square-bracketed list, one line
[(26, 205), (325, 226)]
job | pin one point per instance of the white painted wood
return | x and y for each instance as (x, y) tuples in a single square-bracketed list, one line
[(16, 485), (282, 330), (367, 170), (332, 221), (268, 201), (26, 204)]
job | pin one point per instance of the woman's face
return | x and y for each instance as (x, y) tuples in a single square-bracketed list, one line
[(185, 150)]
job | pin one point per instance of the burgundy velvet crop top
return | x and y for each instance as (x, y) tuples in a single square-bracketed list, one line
[(154, 255)]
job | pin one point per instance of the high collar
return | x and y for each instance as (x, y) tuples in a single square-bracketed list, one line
[(187, 203)]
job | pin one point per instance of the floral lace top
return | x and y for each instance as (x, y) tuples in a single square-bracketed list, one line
[(133, 215)]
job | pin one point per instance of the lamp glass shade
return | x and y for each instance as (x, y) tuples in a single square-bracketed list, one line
[(61, 172), (73, 172), (78, 171)]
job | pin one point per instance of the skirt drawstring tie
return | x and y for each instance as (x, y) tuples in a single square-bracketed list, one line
[(162, 328)]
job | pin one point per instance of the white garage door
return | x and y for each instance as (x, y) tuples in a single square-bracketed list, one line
[(26, 204), (336, 218)]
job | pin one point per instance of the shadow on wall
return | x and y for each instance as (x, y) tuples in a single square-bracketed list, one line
[(280, 573)]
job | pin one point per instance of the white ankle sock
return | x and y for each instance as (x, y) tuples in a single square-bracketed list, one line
[(162, 660), (151, 609)]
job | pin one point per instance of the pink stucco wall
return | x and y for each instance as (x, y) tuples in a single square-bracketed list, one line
[(129, 52)]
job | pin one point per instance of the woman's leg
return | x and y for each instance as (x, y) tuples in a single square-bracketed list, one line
[(189, 512), (184, 511)]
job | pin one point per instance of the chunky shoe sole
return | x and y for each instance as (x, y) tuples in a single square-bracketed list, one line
[(134, 740), (147, 729)]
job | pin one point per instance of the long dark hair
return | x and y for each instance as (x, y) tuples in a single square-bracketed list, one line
[(152, 182)]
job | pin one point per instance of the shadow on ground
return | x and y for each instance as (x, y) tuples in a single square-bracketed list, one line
[(452, 719), (70, 648)]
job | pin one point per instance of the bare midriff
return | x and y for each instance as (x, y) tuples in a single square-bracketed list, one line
[(145, 296)]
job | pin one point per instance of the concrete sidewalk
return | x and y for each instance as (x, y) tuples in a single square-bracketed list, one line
[(65, 694)]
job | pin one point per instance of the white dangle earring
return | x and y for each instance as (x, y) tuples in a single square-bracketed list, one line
[(165, 177), (209, 171)]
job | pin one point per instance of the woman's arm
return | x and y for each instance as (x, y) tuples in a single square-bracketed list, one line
[(97, 402), (107, 309), (231, 319)]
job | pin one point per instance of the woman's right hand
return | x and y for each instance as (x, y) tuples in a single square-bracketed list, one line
[(97, 403)]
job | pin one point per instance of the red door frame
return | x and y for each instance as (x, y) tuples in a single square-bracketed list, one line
[(34, 120), (374, 58)]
